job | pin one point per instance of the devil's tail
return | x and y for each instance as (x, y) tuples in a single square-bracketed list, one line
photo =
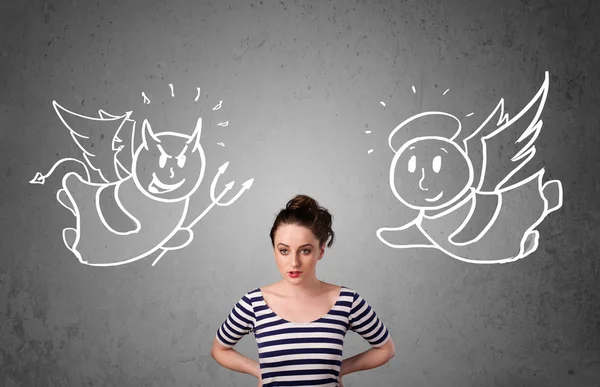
[(40, 178)]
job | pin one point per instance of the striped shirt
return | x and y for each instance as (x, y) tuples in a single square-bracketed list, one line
[(301, 354)]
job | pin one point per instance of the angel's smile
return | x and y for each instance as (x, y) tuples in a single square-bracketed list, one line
[(435, 198), (158, 187)]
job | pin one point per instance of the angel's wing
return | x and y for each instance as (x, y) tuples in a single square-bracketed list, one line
[(105, 141), (496, 132)]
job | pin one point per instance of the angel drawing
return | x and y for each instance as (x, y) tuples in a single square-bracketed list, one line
[(132, 197), (472, 203)]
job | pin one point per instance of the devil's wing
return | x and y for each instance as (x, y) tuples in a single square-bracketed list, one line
[(505, 144), (125, 143), (105, 141)]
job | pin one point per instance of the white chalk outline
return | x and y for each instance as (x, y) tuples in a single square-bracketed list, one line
[(525, 154), (40, 179), (192, 140), (124, 173), (423, 114)]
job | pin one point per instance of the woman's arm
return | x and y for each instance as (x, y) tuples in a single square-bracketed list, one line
[(232, 359), (373, 357)]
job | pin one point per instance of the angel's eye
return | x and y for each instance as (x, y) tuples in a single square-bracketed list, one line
[(162, 161), (412, 164), (181, 161), (437, 164)]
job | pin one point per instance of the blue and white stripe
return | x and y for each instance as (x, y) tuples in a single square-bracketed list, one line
[(301, 354)]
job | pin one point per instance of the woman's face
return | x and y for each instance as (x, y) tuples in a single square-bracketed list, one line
[(297, 252)]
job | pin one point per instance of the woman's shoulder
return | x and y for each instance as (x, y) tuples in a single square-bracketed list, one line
[(341, 289), (267, 290), (251, 294), (341, 292), (346, 289)]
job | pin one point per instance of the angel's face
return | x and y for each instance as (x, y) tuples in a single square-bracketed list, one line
[(430, 173), (168, 166)]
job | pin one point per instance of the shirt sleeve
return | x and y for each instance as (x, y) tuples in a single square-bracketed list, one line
[(364, 321), (238, 323)]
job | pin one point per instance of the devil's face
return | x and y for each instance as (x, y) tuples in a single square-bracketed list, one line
[(430, 173), (168, 166)]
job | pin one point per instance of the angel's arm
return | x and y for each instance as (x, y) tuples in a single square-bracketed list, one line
[(408, 235)]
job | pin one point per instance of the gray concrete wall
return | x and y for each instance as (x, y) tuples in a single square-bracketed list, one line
[(300, 82)]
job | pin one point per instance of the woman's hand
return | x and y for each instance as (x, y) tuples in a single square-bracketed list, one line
[(340, 384), (260, 381)]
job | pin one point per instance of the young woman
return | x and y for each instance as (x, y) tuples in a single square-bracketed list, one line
[(300, 322)]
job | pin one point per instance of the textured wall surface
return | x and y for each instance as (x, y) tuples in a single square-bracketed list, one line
[(301, 82)]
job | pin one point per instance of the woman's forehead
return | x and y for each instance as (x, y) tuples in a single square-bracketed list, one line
[(294, 234)]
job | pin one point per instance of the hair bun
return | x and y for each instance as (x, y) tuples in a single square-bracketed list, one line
[(305, 211), (302, 203)]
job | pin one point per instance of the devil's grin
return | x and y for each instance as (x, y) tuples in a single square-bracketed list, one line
[(158, 187)]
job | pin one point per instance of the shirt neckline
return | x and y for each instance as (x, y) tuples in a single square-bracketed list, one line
[(342, 287)]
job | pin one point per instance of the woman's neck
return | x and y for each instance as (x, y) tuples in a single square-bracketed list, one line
[(305, 288)]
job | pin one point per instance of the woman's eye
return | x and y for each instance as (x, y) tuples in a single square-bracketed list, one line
[(306, 251), (283, 251), (162, 161)]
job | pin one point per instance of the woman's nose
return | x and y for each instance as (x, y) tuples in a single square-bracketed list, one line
[(295, 261)]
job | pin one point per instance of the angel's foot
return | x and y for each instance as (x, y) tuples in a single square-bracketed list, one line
[(552, 191), (531, 243)]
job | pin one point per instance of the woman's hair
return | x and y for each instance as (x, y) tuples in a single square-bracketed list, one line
[(305, 211)]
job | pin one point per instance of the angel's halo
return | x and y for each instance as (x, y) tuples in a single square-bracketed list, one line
[(428, 123)]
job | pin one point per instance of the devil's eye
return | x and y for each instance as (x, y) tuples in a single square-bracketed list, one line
[(412, 164), (162, 161), (437, 163), (181, 161)]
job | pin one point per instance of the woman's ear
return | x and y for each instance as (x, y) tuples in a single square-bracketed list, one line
[(322, 251)]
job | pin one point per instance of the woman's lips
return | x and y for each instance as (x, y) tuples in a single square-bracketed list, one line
[(294, 274)]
